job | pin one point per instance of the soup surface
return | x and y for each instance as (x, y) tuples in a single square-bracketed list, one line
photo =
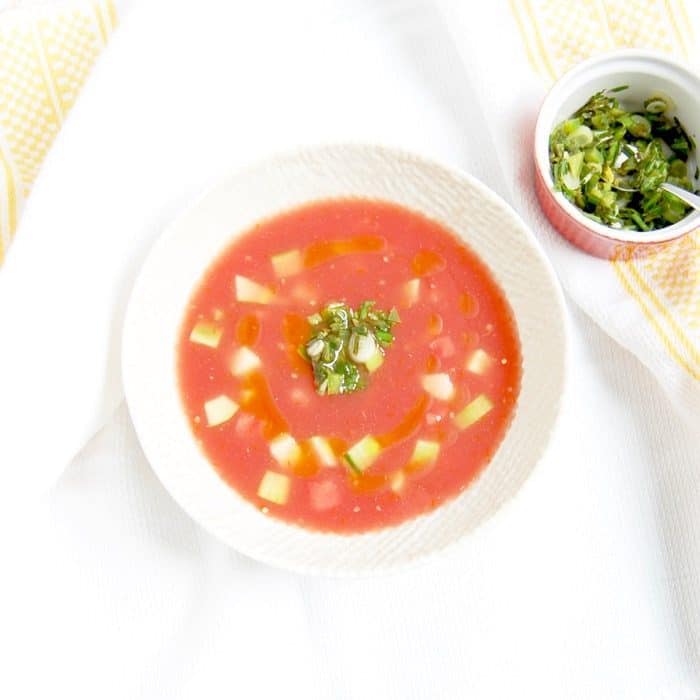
[(428, 415)]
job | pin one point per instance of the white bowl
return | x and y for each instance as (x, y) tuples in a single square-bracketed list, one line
[(646, 73), (187, 247)]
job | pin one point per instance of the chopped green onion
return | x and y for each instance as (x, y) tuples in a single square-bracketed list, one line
[(384, 337), (375, 362), (611, 163), (335, 382), (315, 348), (640, 126), (677, 168), (347, 345), (364, 309), (634, 215), (581, 137), (655, 105)]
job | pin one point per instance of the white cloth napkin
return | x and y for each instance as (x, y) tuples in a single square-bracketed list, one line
[(584, 587)]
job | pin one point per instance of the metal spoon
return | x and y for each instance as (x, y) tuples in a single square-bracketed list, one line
[(687, 197)]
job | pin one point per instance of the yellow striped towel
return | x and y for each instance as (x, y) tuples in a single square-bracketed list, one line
[(558, 34), (46, 53)]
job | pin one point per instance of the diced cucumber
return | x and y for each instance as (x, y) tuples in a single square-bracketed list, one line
[(424, 452), (375, 362), (324, 495), (323, 451), (249, 291), (473, 411), (244, 361), (304, 292), (288, 264), (220, 409), (285, 450), (438, 385), (275, 487), (411, 291), (299, 396), (397, 481), (443, 346), (362, 454), (206, 333), (478, 362)]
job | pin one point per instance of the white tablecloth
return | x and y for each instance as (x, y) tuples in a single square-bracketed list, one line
[(585, 586)]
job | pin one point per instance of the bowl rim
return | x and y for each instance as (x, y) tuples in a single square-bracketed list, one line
[(131, 344), (558, 92)]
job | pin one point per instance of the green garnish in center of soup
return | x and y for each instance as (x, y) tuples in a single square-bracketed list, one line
[(347, 345), (611, 162)]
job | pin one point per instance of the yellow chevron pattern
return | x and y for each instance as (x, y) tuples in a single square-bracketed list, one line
[(46, 53)]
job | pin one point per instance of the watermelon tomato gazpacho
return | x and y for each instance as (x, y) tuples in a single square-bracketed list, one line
[(348, 365)]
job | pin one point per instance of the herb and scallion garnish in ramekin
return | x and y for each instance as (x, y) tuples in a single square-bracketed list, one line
[(611, 162)]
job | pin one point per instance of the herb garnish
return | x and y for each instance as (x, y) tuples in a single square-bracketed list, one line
[(610, 163), (346, 345)]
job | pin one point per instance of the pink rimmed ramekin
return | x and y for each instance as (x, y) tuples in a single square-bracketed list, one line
[(646, 73)]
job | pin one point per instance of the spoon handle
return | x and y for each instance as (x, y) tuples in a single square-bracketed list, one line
[(687, 197)]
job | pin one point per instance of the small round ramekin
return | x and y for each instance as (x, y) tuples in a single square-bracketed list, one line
[(646, 73)]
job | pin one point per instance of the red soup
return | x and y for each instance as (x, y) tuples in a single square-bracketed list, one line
[(348, 365)]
